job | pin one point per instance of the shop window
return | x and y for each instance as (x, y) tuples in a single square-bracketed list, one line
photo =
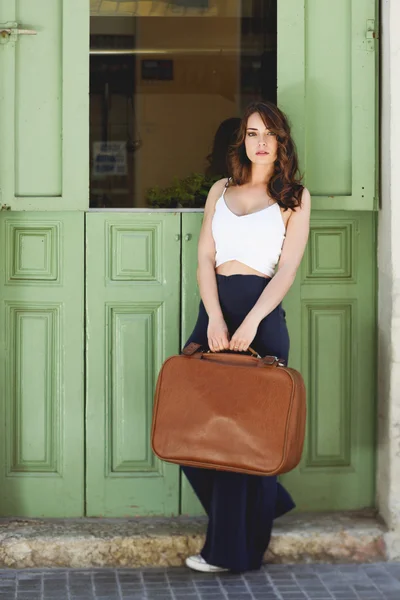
[(168, 82)]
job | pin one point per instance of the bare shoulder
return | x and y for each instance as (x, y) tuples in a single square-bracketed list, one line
[(215, 193), (304, 207), (299, 216), (305, 199), (218, 187)]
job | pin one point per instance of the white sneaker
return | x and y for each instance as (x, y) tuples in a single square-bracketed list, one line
[(198, 563)]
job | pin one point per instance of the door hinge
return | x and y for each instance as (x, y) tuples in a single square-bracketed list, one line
[(371, 34), (9, 32)]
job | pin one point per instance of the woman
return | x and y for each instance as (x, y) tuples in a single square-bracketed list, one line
[(254, 221)]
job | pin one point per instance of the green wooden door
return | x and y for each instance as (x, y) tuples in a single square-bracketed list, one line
[(326, 69), (331, 319), (43, 184), (133, 323), (41, 364), (330, 312)]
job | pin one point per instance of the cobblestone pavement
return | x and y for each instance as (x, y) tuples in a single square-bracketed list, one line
[(380, 581)]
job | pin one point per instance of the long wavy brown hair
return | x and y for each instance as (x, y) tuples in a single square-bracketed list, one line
[(285, 185)]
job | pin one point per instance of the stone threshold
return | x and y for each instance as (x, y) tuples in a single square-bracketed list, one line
[(351, 537)]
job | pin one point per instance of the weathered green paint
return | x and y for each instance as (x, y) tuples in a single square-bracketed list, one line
[(44, 100), (133, 323), (330, 312), (41, 364), (327, 85)]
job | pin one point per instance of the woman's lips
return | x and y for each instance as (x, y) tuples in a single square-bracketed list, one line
[(262, 152)]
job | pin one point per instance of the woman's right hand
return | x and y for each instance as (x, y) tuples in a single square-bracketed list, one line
[(217, 334)]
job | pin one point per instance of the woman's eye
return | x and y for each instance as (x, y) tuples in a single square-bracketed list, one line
[(251, 134)]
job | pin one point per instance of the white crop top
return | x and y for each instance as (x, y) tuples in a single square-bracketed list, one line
[(255, 239)]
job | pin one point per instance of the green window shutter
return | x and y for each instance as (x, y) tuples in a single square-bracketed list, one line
[(44, 117), (327, 57)]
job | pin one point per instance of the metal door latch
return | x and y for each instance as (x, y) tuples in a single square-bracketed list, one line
[(9, 32)]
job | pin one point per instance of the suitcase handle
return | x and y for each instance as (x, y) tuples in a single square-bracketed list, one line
[(196, 351)]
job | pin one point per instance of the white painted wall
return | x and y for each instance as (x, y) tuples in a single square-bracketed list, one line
[(388, 472)]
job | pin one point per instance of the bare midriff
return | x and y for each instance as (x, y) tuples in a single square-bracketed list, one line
[(234, 267)]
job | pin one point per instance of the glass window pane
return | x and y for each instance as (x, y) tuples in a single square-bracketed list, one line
[(169, 80)]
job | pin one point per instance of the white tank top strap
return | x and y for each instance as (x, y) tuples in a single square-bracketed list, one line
[(224, 190)]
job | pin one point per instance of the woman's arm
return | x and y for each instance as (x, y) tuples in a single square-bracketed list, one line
[(292, 253), (217, 332)]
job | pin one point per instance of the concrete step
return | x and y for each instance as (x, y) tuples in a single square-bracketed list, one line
[(140, 542)]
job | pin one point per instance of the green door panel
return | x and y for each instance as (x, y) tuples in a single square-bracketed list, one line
[(330, 312), (44, 101), (133, 323), (327, 79), (41, 364), (336, 355)]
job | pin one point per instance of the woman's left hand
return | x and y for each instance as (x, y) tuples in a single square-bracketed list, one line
[(244, 335)]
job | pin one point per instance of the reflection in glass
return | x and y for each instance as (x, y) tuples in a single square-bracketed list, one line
[(167, 82)]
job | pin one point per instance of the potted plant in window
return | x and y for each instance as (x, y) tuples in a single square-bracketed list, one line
[(188, 192)]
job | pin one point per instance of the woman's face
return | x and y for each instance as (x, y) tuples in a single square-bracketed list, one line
[(261, 144)]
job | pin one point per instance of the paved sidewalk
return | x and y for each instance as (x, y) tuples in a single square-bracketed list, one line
[(379, 581)]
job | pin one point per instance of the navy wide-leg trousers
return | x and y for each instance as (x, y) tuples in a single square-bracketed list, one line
[(240, 508)]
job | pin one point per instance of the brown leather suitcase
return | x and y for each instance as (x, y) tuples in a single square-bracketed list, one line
[(232, 412)]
